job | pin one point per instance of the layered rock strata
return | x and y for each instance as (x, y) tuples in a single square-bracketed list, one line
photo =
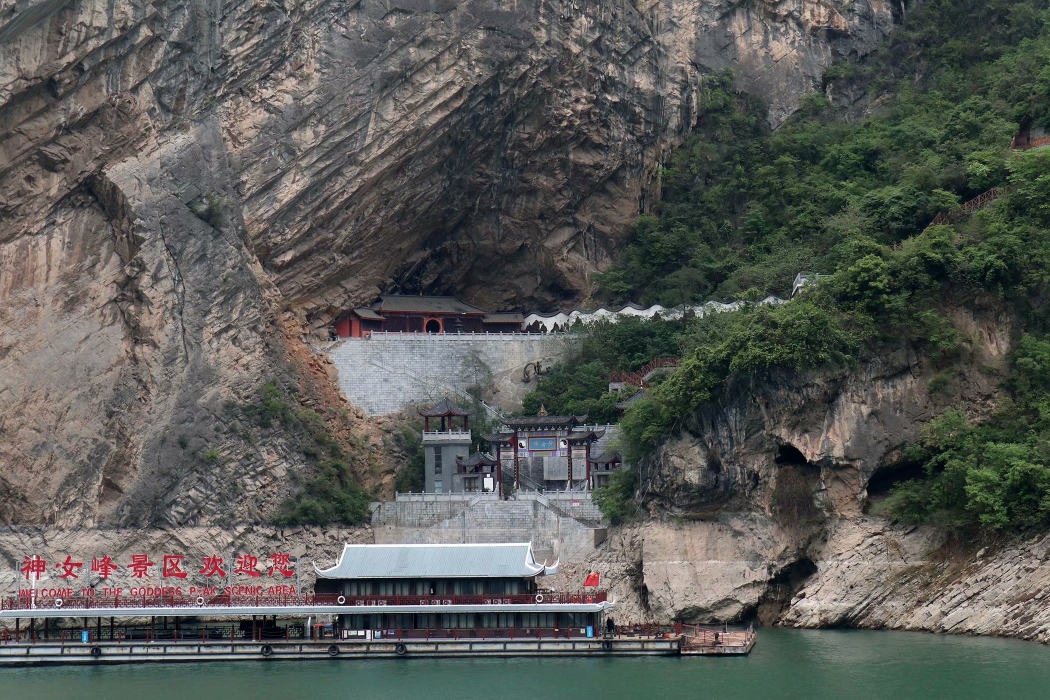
[(175, 174)]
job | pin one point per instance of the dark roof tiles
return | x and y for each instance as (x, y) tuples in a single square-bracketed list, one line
[(406, 303), (444, 407), (539, 421)]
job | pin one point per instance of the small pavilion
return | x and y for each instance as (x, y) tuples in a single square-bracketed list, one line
[(445, 411)]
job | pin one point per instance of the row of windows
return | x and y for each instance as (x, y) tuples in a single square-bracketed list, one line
[(467, 621), (492, 586)]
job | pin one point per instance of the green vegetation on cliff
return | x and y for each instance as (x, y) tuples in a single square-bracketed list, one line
[(995, 475), (330, 493), (743, 209)]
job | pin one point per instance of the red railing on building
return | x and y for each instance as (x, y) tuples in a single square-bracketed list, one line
[(969, 207), (185, 601), (638, 378)]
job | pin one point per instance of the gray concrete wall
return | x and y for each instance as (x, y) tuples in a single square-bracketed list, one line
[(450, 450), (391, 371)]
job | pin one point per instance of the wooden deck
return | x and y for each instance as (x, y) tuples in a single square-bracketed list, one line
[(54, 653), (705, 642)]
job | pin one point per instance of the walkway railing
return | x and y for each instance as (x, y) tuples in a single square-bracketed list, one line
[(642, 376), (234, 601), (703, 636)]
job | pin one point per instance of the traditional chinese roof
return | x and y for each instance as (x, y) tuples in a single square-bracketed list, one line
[(607, 458), (407, 303), (586, 435), (435, 561), (475, 460), (444, 407), (497, 438), (367, 314), (505, 317), (542, 421)]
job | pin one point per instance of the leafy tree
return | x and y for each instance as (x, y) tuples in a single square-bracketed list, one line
[(744, 208)]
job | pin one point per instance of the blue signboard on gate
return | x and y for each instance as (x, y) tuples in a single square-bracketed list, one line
[(543, 444)]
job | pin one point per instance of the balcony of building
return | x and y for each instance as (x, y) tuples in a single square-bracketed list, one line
[(436, 437)]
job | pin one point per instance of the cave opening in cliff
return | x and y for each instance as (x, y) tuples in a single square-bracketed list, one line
[(790, 455), (780, 590), (795, 484), (883, 481)]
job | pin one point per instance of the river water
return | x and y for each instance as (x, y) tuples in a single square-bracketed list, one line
[(785, 664)]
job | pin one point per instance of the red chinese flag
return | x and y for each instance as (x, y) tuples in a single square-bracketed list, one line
[(593, 580)]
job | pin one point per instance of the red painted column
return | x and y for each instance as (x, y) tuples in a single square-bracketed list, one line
[(569, 445)]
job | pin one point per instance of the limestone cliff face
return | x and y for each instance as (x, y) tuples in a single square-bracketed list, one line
[(176, 174), (760, 508), (834, 429)]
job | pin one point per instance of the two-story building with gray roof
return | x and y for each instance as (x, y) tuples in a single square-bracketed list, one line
[(459, 590)]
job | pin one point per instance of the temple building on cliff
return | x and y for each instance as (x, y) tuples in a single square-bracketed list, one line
[(535, 453), (424, 314)]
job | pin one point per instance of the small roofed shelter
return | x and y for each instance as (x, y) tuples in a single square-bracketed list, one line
[(445, 410), (603, 466), (359, 323)]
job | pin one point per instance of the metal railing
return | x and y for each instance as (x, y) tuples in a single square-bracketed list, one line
[(704, 637), (226, 634), (493, 633), (234, 601)]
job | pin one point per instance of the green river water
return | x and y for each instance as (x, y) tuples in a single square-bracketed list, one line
[(789, 664)]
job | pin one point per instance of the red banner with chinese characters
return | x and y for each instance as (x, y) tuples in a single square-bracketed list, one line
[(59, 576)]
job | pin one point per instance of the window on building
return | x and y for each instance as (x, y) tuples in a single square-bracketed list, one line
[(534, 620), (457, 620), (438, 487), (497, 620), (437, 460), (470, 483)]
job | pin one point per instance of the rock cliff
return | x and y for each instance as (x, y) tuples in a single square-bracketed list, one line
[(761, 507), (181, 181)]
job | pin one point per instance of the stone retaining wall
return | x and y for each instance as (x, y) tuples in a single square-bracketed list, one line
[(562, 527), (392, 371)]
